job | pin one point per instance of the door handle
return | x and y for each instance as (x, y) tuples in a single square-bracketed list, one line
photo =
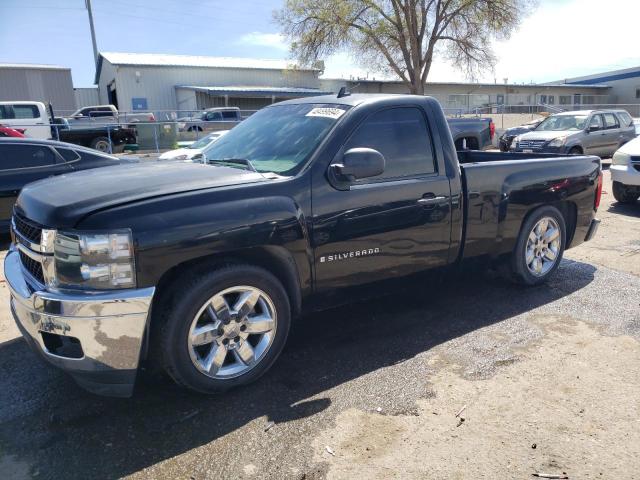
[(430, 199)]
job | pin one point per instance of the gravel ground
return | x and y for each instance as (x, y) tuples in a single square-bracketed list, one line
[(378, 383)]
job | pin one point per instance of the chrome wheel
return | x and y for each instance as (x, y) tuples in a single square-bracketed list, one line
[(543, 246), (232, 332)]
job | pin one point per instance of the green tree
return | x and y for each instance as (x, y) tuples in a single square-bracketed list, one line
[(401, 37)]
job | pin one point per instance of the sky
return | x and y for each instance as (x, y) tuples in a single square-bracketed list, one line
[(561, 39)]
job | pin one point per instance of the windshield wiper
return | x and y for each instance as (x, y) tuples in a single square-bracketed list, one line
[(236, 161)]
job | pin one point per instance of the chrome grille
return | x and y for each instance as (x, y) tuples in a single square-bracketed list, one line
[(32, 266), (27, 229), (532, 144)]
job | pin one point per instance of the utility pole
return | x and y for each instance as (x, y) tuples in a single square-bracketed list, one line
[(93, 33)]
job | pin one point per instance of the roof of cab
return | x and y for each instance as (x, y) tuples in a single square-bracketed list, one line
[(352, 99)]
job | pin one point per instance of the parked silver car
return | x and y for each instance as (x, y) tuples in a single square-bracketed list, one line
[(211, 119), (595, 132)]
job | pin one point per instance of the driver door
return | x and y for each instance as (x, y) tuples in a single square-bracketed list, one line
[(390, 225)]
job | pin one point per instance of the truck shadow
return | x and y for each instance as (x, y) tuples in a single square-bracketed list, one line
[(63, 432), (625, 209)]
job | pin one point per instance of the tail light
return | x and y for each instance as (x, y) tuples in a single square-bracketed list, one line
[(152, 117), (596, 202), (492, 129)]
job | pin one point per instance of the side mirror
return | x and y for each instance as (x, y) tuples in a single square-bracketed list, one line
[(360, 163), (593, 128)]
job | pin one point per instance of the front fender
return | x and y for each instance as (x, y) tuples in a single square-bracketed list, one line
[(173, 231)]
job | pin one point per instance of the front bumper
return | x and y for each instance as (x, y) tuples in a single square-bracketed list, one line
[(109, 327), (625, 174)]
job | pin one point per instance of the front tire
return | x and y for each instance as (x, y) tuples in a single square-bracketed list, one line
[(540, 246), (225, 329), (624, 194), (575, 151)]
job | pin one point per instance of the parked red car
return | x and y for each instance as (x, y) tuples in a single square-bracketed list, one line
[(11, 132)]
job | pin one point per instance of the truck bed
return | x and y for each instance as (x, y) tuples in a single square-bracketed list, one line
[(500, 188)]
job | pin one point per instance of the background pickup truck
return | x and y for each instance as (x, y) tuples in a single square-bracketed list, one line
[(472, 133), (199, 269), (104, 138)]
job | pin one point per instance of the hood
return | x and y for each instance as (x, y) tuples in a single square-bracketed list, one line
[(547, 135), (517, 130), (631, 148), (62, 201), (189, 152)]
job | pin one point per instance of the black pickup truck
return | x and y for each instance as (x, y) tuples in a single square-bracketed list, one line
[(200, 268)]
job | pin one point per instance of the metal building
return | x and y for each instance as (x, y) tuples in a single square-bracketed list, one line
[(42, 83), (180, 83)]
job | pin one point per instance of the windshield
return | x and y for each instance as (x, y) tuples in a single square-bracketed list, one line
[(277, 139), (563, 122), (204, 141)]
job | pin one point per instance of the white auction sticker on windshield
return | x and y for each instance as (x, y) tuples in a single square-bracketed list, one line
[(326, 112)]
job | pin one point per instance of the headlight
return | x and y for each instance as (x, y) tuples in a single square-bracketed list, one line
[(181, 157), (558, 142), (620, 158), (514, 142), (181, 125), (93, 260)]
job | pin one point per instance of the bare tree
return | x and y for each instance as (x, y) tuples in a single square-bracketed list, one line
[(402, 36)]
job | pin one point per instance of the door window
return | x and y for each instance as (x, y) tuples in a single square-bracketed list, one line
[(596, 121), (25, 156), (610, 121), (26, 111), (213, 116), (401, 135), (5, 112)]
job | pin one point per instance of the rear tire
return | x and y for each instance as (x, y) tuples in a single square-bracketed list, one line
[(624, 194), (102, 144), (540, 246), (205, 339)]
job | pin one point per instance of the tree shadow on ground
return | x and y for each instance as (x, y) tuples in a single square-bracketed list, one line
[(64, 432)]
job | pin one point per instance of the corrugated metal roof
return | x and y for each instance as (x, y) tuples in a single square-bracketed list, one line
[(257, 90), (161, 59), (35, 66), (473, 84)]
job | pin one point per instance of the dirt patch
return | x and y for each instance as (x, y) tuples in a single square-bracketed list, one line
[(569, 404)]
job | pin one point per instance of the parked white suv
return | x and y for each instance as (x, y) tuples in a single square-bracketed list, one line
[(32, 117), (625, 172)]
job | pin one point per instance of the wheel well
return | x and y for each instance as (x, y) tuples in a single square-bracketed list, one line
[(578, 148), (273, 259), (569, 212)]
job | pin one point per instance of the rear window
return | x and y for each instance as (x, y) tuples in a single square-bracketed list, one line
[(68, 155), (625, 119), (26, 111), (229, 115), (25, 156)]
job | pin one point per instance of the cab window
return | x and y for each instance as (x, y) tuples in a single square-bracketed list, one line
[(26, 111), (401, 135)]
